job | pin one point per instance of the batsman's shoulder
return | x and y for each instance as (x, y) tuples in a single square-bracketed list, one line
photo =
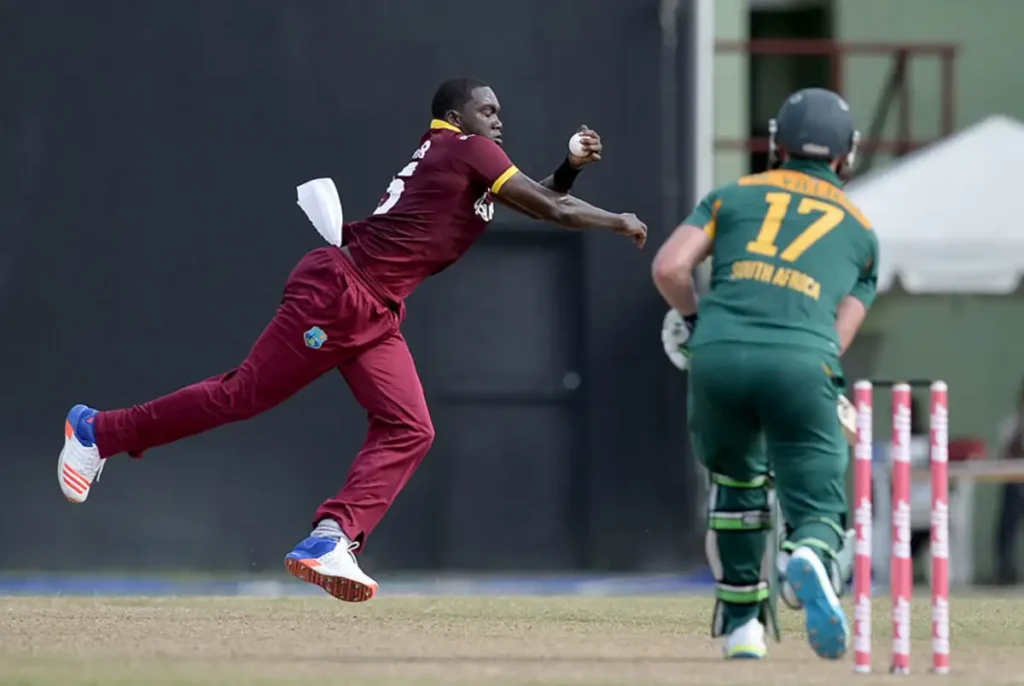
[(853, 211), (727, 189), (739, 190), (719, 196), (705, 214)]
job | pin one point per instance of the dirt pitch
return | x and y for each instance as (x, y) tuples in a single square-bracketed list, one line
[(453, 640)]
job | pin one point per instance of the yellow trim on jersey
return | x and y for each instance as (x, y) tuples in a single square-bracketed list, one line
[(712, 226), (799, 182), (501, 180), (505, 176), (442, 124)]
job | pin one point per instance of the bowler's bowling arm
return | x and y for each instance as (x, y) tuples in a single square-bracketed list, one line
[(523, 194)]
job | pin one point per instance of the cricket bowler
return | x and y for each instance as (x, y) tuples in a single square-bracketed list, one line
[(794, 270), (342, 311)]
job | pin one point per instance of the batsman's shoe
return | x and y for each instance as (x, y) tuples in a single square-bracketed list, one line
[(827, 629), (330, 564), (746, 642), (79, 464)]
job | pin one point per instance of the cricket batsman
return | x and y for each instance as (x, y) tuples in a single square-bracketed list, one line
[(794, 269)]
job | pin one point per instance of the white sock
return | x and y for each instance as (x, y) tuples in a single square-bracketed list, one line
[(328, 528)]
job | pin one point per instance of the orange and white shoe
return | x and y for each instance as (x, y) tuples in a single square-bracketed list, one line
[(79, 464), (330, 564)]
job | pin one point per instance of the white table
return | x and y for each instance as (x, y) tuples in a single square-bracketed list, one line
[(962, 478)]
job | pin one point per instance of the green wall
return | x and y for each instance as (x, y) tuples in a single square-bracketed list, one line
[(731, 88), (987, 69), (988, 66)]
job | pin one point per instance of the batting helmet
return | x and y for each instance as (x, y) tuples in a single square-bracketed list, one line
[(814, 123)]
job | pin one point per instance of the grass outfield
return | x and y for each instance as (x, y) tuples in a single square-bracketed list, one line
[(455, 640)]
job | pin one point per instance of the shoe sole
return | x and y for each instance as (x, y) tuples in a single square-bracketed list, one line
[(343, 589), (743, 655), (827, 630)]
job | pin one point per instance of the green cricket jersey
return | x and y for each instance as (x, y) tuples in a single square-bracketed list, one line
[(788, 246)]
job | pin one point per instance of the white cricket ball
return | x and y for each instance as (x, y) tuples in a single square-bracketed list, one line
[(576, 146)]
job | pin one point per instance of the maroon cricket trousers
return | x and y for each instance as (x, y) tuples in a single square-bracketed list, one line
[(363, 342)]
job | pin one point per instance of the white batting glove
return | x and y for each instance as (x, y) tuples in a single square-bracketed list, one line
[(674, 335)]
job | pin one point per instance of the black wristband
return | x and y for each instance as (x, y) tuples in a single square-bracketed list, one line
[(565, 176), (691, 321)]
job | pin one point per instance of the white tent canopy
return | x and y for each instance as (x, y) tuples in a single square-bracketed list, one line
[(950, 218)]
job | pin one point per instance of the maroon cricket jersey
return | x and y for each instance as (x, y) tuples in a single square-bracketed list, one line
[(433, 210)]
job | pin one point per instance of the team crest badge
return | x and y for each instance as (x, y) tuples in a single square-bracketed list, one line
[(315, 338)]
